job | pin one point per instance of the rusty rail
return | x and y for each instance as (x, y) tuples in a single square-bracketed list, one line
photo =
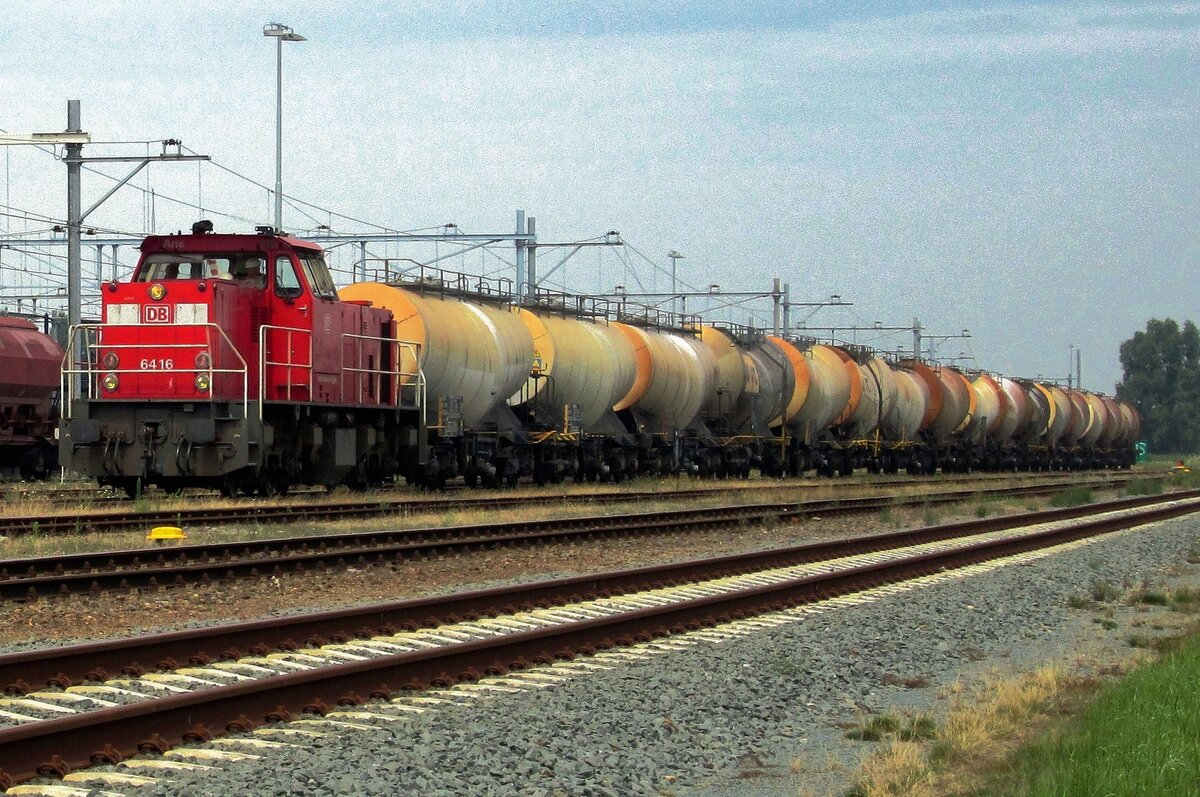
[(28, 578), (116, 520)]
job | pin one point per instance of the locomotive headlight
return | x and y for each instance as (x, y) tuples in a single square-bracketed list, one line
[(158, 291), (111, 361), (202, 383), (203, 361), (110, 382)]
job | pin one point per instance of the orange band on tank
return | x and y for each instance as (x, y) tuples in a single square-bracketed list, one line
[(803, 375), (855, 377), (972, 401), (1053, 408), (645, 365)]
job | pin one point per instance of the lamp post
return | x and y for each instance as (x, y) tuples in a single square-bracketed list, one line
[(280, 33), (675, 257)]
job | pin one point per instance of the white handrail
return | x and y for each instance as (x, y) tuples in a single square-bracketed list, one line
[(91, 368), (263, 362), (398, 377)]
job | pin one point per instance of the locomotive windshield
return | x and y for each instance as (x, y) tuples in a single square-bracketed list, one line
[(318, 274)]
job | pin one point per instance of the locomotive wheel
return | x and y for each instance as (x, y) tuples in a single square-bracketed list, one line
[(229, 486)]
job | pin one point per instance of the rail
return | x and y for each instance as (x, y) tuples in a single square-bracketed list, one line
[(81, 377)]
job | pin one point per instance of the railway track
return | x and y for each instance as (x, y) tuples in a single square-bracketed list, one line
[(118, 519), (73, 492), (480, 637), (30, 578)]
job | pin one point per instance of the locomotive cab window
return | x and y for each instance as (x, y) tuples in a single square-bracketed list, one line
[(287, 282)]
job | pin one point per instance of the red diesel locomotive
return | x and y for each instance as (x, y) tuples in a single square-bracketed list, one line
[(228, 361)]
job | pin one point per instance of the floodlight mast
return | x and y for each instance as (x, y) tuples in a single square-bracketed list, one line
[(280, 33)]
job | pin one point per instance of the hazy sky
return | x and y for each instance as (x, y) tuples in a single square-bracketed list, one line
[(1028, 171)]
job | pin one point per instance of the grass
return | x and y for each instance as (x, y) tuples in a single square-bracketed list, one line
[(1137, 737), (888, 726), (1144, 487), (1047, 734), (973, 730), (1151, 597), (1076, 495)]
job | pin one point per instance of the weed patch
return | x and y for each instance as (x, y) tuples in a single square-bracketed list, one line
[(1151, 597), (1103, 591), (919, 682), (1076, 495), (1144, 487), (874, 729)]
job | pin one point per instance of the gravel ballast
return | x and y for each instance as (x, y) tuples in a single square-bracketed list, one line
[(731, 718)]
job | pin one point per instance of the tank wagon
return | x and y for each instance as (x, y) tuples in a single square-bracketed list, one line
[(232, 361), (29, 399)]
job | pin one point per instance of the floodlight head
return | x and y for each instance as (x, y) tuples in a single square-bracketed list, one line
[(276, 30)]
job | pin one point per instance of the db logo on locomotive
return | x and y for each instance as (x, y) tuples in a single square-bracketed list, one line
[(156, 314)]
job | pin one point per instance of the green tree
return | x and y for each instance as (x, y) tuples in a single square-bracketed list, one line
[(1162, 380)]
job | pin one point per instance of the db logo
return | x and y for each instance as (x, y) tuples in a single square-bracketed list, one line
[(156, 314)]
